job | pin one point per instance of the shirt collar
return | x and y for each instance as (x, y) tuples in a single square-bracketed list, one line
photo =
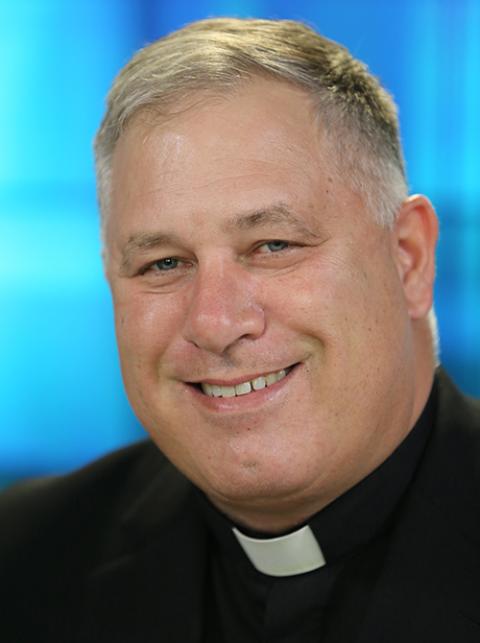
[(295, 553)]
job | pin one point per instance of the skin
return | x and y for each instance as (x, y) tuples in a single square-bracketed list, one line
[(202, 293)]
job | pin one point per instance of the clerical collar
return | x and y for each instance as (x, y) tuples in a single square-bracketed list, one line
[(351, 521), (294, 553)]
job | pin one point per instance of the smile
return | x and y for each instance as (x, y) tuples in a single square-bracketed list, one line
[(243, 388)]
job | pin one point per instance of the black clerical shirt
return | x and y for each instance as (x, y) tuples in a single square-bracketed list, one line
[(328, 604)]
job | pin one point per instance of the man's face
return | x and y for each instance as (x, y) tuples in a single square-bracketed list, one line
[(264, 338)]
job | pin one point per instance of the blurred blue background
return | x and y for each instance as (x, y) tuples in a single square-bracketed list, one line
[(61, 397)]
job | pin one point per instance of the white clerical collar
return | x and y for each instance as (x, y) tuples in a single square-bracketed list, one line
[(295, 553)]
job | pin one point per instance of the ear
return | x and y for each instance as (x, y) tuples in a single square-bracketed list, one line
[(415, 235)]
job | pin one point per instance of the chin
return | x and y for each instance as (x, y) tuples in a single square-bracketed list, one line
[(254, 482)]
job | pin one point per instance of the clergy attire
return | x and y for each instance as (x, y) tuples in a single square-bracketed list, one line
[(128, 550)]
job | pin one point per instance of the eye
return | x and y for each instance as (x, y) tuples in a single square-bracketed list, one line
[(274, 246), (161, 266), (164, 265)]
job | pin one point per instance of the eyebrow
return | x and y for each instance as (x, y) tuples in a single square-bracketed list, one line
[(255, 219), (142, 242), (278, 213)]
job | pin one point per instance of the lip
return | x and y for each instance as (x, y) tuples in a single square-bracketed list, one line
[(241, 403), (242, 379)]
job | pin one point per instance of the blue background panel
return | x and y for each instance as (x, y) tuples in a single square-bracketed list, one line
[(61, 397)]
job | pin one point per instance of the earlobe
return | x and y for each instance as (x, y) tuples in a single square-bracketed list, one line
[(415, 238)]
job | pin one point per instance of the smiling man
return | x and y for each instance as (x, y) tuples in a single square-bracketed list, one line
[(311, 475)]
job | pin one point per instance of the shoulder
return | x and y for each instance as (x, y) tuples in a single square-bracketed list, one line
[(458, 419), (56, 514), (56, 531), (450, 473), (40, 495)]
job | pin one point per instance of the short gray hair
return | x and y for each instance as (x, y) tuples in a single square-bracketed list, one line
[(357, 115)]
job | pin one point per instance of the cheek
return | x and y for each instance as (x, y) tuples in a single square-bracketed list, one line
[(319, 298), (350, 305), (145, 324)]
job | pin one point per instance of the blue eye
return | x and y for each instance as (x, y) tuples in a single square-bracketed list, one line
[(169, 263), (276, 245)]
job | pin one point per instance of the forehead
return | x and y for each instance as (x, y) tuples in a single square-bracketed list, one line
[(219, 155), (256, 122)]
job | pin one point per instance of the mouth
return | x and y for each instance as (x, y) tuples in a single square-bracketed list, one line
[(244, 387)]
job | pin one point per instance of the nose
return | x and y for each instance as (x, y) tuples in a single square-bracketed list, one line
[(223, 308)]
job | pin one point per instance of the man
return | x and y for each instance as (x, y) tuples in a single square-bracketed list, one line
[(272, 284)]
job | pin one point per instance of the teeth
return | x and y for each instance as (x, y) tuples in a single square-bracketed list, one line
[(275, 377), (208, 389), (243, 389), (258, 383), (213, 390)]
